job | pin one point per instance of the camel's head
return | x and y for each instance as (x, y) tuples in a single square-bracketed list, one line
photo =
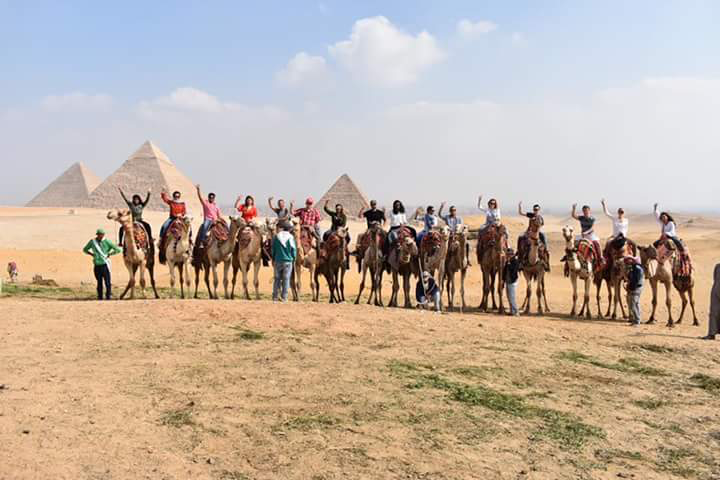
[(567, 232), (120, 215), (237, 221), (270, 226), (445, 232), (407, 249), (187, 220)]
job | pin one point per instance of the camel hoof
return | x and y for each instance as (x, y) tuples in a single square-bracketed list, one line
[(679, 321), (650, 322), (696, 323), (670, 325)]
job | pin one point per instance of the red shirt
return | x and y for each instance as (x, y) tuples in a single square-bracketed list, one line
[(308, 216), (177, 209), (248, 213)]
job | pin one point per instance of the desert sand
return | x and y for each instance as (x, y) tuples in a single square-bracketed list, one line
[(238, 390)]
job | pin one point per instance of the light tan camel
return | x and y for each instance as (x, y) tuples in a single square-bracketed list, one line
[(403, 261), (579, 266), (372, 260), (137, 258), (178, 254), (248, 251), (491, 258), (534, 270), (456, 261), (331, 264), (216, 252), (432, 259), (306, 258)]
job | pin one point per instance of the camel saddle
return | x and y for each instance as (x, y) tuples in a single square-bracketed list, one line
[(307, 238), (586, 251), (430, 243), (365, 239), (489, 236), (141, 237), (219, 231), (330, 246), (246, 235), (176, 229)]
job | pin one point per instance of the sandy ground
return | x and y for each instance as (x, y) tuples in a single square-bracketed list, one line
[(237, 390)]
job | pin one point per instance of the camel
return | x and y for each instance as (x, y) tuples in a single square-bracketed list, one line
[(248, 251), (331, 264), (433, 252), (306, 258), (178, 253), (456, 261), (613, 274), (661, 265), (534, 269), (218, 250), (372, 259), (579, 267), (491, 258), (138, 254), (403, 261)]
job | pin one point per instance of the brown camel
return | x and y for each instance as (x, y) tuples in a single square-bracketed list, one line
[(219, 249), (456, 261), (433, 253), (372, 259), (662, 265), (178, 253), (613, 274), (331, 265), (306, 258), (579, 264), (248, 251), (138, 254), (491, 250), (534, 268), (403, 261)]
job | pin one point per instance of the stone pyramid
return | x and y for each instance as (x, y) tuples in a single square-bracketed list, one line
[(345, 191), (71, 189), (146, 169)]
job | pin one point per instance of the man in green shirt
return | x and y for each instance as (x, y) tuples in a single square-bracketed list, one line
[(101, 249)]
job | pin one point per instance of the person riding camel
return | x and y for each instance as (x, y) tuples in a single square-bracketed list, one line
[(211, 214), (247, 209), (668, 229), (398, 219), (620, 227), (136, 207), (536, 216), (587, 232), (338, 219), (493, 219), (373, 214), (177, 211), (430, 221), (309, 217), (281, 212), (453, 222)]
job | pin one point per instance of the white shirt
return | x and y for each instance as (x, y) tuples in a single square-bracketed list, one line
[(619, 225), (397, 219), (492, 215), (667, 229)]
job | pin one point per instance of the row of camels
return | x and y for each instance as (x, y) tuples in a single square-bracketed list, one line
[(443, 253)]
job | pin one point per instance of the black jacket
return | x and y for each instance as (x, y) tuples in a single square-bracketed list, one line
[(511, 270)]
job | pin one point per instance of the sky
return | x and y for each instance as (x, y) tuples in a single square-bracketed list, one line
[(554, 102)]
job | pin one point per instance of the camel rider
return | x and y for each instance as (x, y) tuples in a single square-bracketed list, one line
[(587, 232), (211, 214), (397, 219), (338, 219), (136, 207), (177, 209), (451, 219), (247, 209), (430, 221), (620, 227), (492, 214), (282, 213), (373, 215), (101, 249), (535, 214), (309, 217), (668, 229)]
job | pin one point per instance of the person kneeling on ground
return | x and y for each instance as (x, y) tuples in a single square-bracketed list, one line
[(101, 249), (511, 275), (283, 252), (426, 291), (634, 287)]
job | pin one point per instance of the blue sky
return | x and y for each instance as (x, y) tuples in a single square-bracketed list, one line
[(85, 75)]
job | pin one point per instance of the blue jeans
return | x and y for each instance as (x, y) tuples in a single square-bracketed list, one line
[(435, 297), (202, 232), (281, 281), (511, 288), (165, 226)]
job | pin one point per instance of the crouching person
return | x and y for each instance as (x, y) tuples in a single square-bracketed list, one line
[(635, 278), (283, 252), (101, 249), (427, 291)]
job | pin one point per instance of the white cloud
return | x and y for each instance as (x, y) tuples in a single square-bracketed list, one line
[(302, 68), (188, 98), (518, 39), (468, 29), (380, 53), (77, 102)]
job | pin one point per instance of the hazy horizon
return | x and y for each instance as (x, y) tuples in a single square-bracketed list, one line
[(560, 104)]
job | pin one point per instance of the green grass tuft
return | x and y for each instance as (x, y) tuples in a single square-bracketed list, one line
[(706, 382), (625, 365), (178, 417), (650, 403), (310, 422), (246, 334)]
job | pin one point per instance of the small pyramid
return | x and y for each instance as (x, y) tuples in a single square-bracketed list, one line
[(71, 189), (146, 169), (345, 192)]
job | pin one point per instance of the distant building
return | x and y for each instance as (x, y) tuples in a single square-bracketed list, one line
[(345, 192)]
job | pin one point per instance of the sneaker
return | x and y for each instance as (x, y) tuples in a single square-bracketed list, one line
[(708, 337)]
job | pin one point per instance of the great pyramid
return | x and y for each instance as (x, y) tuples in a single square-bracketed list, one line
[(71, 189), (345, 191), (146, 169)]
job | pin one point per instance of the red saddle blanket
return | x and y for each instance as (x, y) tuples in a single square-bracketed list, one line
[(176, 229), (365, 239), (140, 236), (307, 238), (246, 235), (330, 246), (430, 243), (220, 230)]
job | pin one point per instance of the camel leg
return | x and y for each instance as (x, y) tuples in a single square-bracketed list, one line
[(683, 306), (245, 270), (539, 292), (171, 267), (406, 290), (618, 296), (586, 298), (450, 286), (528, 294), (142, 281), (256, 277), (395, 288), (197, 281), (226, 279), (342, 284), (611, 298), (314, 283), (501, 291), (208, 269), (654, 288), (151, 273), (691, 294), (598, 289), (573, 281), (526, 276), (486, 291), (668, 303), (298, 282), (377, 279), (362, 285), (463, 273), (186, 271), (547, 308), (492, 289), (182, 284)]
